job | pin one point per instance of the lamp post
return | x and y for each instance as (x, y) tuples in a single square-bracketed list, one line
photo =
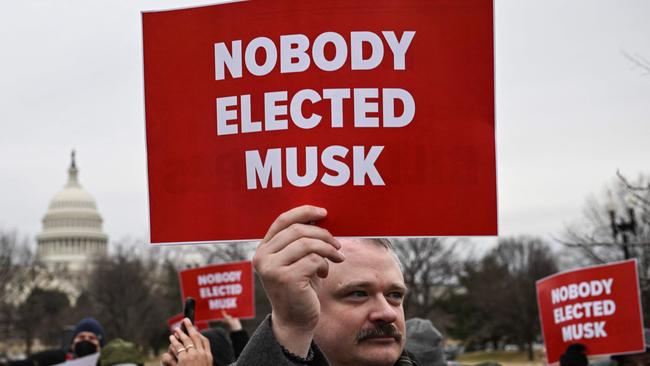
[(623, 227)]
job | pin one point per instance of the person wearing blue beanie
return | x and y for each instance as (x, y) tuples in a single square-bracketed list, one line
[(87, 338)]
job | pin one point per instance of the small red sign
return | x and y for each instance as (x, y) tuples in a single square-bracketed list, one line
[(175, 322), (597, 306), (381, 111), (220, 287)]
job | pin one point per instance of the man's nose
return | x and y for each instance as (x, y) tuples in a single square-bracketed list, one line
[(382, 311)]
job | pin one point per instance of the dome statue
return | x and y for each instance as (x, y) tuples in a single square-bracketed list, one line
[(72, 227)]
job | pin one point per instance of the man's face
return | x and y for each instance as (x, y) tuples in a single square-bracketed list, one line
[(86, 336), (362, 319)]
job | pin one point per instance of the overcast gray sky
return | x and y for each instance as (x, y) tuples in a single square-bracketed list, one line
[(571, 109)]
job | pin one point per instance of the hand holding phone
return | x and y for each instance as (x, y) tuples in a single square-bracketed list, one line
[(188, 311)]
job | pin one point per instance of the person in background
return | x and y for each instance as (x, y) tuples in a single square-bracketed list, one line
[(48, 357), (87, 338), (121, 352), (220, 346), (238, 335), (425, 342), (574, 355)]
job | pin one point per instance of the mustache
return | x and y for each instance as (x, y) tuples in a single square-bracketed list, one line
[(381, 330)]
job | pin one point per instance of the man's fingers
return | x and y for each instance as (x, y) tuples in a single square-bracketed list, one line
[(310, 265), (302, 214), (168, 359), (184, 339), (306, 246), (175, 344), (297, 231), (206, 345), (194, 335)]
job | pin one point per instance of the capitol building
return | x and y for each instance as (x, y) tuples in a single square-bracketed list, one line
[(72, 234)]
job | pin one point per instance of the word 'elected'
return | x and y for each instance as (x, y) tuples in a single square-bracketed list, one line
[(275, 106), (585, 309), (296, 55)]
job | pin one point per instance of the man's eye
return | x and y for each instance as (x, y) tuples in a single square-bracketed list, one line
[(395, 296), (357, 294)]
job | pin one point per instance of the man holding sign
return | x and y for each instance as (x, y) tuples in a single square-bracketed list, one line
[(346, 295), (335, 302), (258, 106)]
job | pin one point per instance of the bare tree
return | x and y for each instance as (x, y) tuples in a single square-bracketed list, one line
[(595, 237), (498, 302), (638, 61), (227, 252), (25, 282), (600, 238), (42, 316), (14, 255), (429, 266), (122, 296)]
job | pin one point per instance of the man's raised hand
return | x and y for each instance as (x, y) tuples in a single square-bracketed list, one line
[(290, 258)]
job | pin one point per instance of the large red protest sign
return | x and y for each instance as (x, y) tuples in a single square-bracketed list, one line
[(220, 287), (597, 306), (380, 111)]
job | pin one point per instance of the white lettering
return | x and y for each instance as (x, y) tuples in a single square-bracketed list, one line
[(296, 109), (357, 39), (329, 162), (311, 166), (224, 115), (576, 332), (272, 110), (399, 48), (289, 53), (272, 167), (271, 56), (389, 97), (340, 54), (224, 58), (362, 107), (365, 165), (336, 97), (227, 303), (219, 277)]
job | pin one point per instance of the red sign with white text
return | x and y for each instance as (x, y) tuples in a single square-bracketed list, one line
[(381, 111), (597, 306), (221, 287)]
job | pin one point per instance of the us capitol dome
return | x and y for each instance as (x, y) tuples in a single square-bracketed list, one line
[(72, 234)]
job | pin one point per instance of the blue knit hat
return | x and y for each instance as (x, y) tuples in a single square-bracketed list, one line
[(90, 325)]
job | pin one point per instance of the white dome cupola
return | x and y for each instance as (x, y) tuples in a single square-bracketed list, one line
[(72, 227)]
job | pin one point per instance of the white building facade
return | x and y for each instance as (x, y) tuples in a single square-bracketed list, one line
[(72, 235)]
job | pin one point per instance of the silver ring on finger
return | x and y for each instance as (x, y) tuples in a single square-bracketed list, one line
[(182, 349), (189, 346)]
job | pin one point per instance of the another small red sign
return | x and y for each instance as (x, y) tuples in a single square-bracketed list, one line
[(175, 322), (219, 287), (597, 306)]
